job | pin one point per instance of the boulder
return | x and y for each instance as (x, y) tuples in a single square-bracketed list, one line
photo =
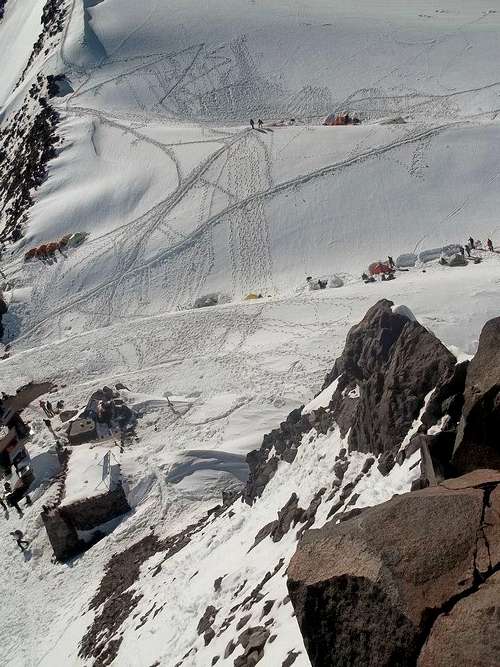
[(469, 634), (367, 591), (477, 443)]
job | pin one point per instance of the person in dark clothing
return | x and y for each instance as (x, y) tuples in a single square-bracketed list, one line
[(43, 405), (9, 497), (50, 409), (18, 536), (467, 249), (48, 424), (390, 261), (489, 243), (252, 124), (471, 242), (260, 123), (462, 251)]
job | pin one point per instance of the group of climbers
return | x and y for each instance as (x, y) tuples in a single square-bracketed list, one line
[(10, 498), (259, 123), (476, 245)]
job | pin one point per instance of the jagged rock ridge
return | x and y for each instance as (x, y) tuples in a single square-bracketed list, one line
[(389, 365), (27, 143), (417, 577)]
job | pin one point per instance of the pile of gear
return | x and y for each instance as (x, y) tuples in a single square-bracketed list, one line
[(49, 249), (323, 282)]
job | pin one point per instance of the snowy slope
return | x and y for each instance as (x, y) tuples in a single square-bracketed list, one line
[(181, 199)]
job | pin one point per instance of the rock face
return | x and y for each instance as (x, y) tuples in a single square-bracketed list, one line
[(389, 365), (470, 632), (395, 362), (478, 438), (373, 589), (28, 142)]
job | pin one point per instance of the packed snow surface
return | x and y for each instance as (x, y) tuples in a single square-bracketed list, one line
[(181, 200)]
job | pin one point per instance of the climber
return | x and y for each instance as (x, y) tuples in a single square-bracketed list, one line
[(9, 497), (252, 124), (390, 261), (260, 123), (471, 242), (50, 409), (489, 243), (467, 249), (462, 251), (18, 536), (43, 405)]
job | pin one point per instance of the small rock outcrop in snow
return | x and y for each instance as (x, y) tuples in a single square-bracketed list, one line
[(395, 572)]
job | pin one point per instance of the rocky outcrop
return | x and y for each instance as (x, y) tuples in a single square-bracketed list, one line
[(2, 8), (470, 633), (399, 575), (283, 442), (389, 365), (52, 21), (478, 437), (27, 143), (253, 641)]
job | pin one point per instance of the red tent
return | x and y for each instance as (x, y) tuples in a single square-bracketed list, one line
[(377, 268), (337, 119)]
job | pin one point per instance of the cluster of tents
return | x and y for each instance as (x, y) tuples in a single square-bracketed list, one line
[(49, 249), (450, 255)]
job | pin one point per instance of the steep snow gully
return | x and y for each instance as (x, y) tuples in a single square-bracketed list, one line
[(162, 466)]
